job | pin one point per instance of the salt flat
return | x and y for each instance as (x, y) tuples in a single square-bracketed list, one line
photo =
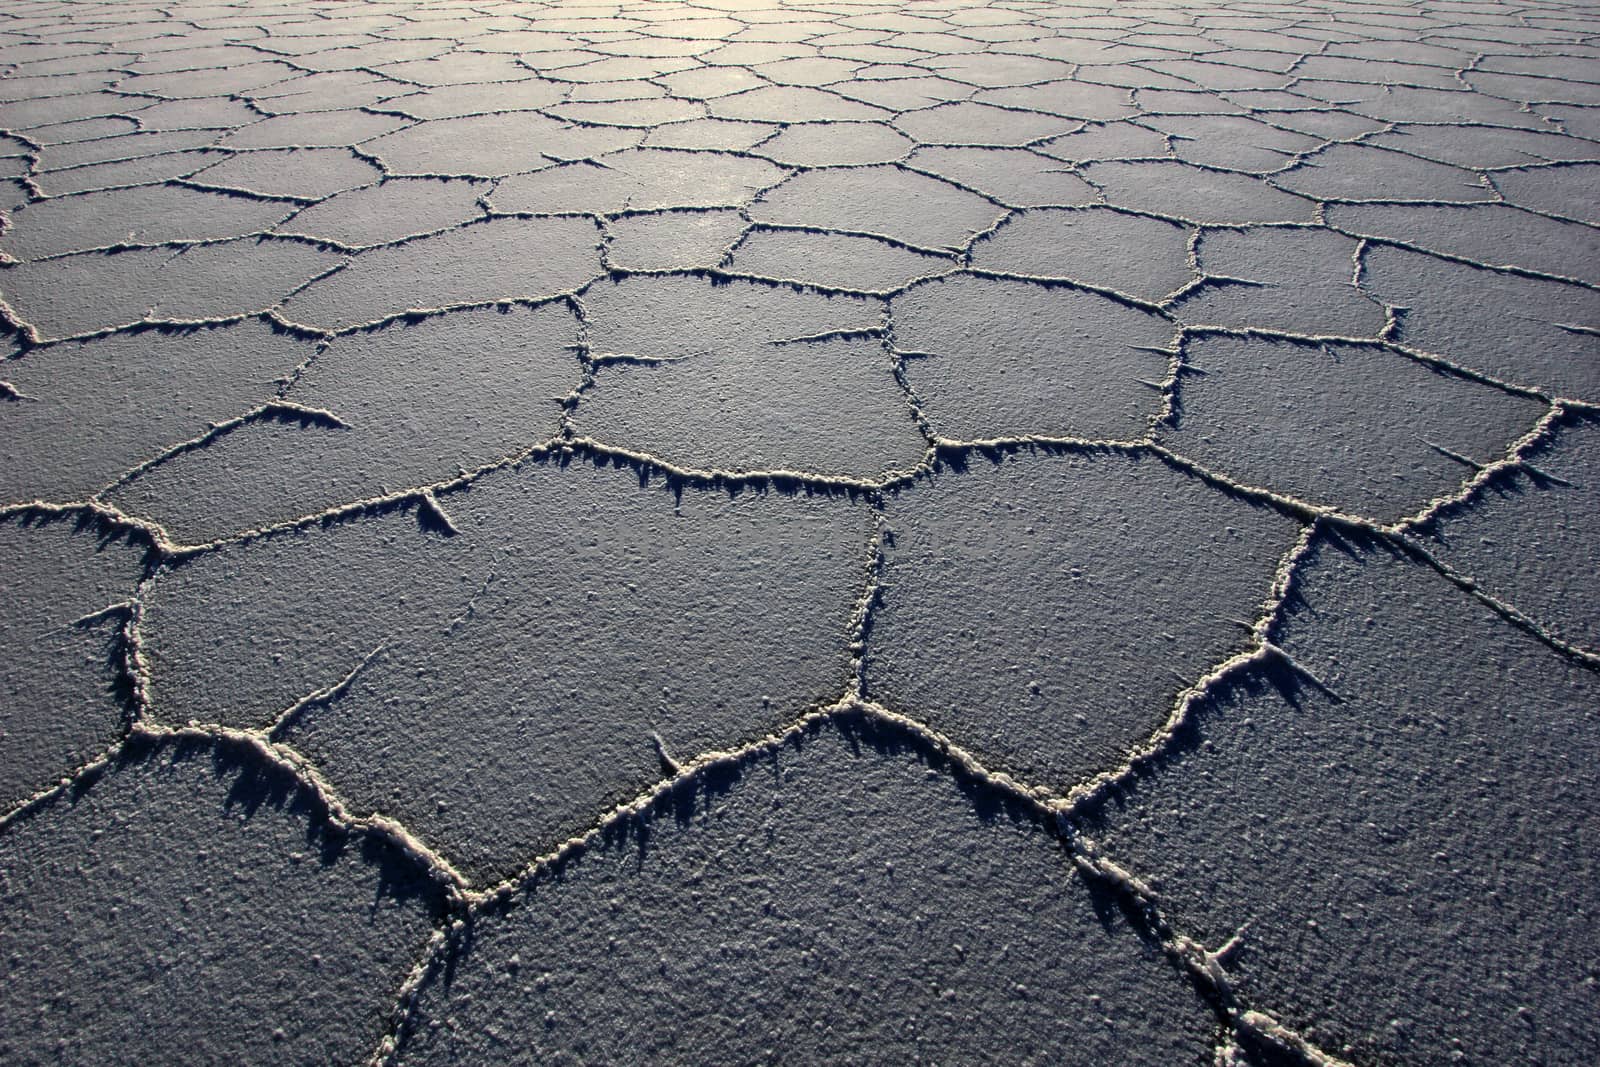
[(827, 532)]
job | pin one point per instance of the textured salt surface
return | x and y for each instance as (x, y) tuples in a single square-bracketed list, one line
[(1388, 863), (862, 531), (194, 904), (801, 910)]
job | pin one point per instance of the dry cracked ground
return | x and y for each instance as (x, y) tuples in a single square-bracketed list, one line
[(851, 531)]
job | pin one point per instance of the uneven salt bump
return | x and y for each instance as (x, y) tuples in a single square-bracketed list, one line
[(643, 113), (391, 211), (979, 124), (219, 81), (1236, 142), (673, 240), (312, 130), (1073, 100), (1485, 146), (324, 91), (1104, 140), (822, 144), (457, 69), (146, 170), (710, 135), (1297, 281), (993, 70), (305, 173), (491, 145), (1526, 331), (145, 215), (640, 180), (506, 258), (881, 201), (1193, 194), (904, 94), (460, 101), (833, 261), (827, 407), (1361, 172), (772, 103), (1528, 537), (1132, 254), (1568, 192), (665, 318), (1014, 177), (92, 291), (1491, 234), (744, 377)]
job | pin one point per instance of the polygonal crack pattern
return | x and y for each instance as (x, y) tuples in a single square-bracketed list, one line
[(747, 530), (375, 411), (62, 628), (819, 870), (566, 634), (1047, 610), (192, 898), (1386, 824)]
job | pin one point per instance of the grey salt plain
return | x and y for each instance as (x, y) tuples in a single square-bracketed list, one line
[(191, 899), (1145, 570), (841, 895), (546, 644), (60, 646), (1369, 432), (130, 398), (375, 393), (1391, 825), (433, 657)]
